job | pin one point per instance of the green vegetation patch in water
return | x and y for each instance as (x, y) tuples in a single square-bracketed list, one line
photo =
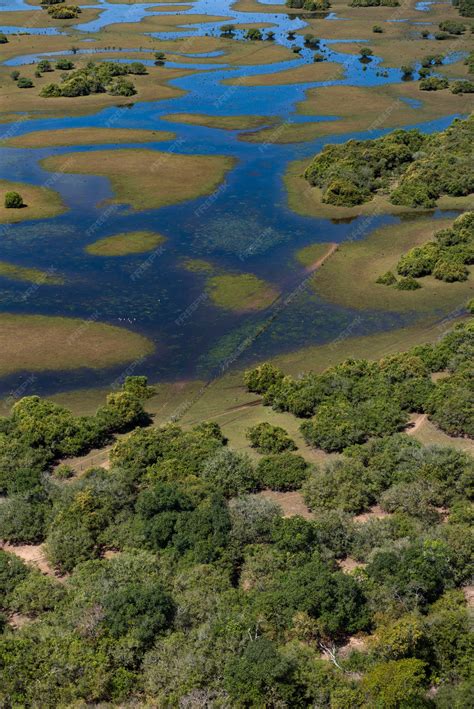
[(242, 292), (133, 242), (30, 275)]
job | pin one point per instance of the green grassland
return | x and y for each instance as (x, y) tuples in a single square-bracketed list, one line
[(133, 242), (40, 202), (135, 173), (55, 343)]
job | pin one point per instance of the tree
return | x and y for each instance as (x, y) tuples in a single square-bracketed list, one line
[(253, 34), (282, 471), (269, 439), (259, 672), (261, 378), (44, 65), (396, 683), (14, 200), (231, 473)]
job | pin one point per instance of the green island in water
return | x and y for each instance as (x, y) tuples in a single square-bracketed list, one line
[(237, 348)]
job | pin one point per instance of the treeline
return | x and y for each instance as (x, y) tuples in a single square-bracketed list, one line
[(309, 5), (423, 167), (446, 258), (359, 399), (184, 588)]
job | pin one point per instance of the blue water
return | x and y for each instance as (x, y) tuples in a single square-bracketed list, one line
[(245, 226)]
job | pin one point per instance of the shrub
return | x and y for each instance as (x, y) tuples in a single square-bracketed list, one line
[(452, 26), (137, 68), (407, 283), (50, 90), (462, 87), (3, 38), (64, 64), (44, 65), (345, 193), (441, 35), (377, 29), (14, 200), (65, 12), (24, 83), (282, 471), (434, 83), (387, 279), (334, 427), (269, 439), (15, 75), (253, 34), (419, 261), (121, 87), (261, 378), (230, 473), (450, 270)]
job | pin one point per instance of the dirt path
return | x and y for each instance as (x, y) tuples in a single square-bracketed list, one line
[(32, 554), (317, 264), (417, 421)]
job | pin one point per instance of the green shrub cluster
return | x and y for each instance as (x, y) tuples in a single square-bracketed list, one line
[(374, 3), (269, 439), (425, 167), (445, 257), (309, 5), (96, 78), (64, 12), (358, 399), (13, 200)]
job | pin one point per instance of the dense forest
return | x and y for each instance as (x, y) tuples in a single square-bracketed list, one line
[(413, 168), (175, 584)]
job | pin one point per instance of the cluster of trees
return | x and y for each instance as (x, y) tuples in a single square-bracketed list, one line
[(446, 258), (374, 3), (358, 399), (183, 589), (425, 167), (96, 78), (465, 7), (64, 12), (309, 5)]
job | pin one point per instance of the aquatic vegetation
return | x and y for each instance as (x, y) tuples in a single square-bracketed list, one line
[(133, 242), (242, 292)]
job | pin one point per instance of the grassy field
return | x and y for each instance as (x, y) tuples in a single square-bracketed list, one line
[(224, 122), (349, 276), (40, 202), (54, 343), (30, 275), (241, 292), (135, 174), (308, 255), (360, 108), (320, 71), (86, 136), (133, 242), (307, 200)]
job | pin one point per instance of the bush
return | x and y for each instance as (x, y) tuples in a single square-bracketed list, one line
[(387, 279), (230, 473), (419, 261), (253, 34), (462, 87), (65, 12), (269, 439), (261, 378), (50, 90), (121, 87), (377, 29), (452, 26), (44, 65), (407, 283), (282, 471), (13, 200), (3, 38), (64, 64), (434, 83), (24, 83), (450, 270), (345, 193), (15, 75)]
